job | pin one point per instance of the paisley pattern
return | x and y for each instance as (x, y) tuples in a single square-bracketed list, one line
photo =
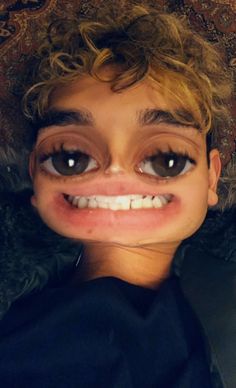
[(221, 12), (10, 25), (22, 21)]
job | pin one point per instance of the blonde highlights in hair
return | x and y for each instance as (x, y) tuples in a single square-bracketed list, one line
[(143, 43)]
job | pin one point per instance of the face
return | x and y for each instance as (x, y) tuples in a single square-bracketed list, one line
[(115, 167)]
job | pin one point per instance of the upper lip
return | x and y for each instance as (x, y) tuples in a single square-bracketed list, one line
[(110, 188)]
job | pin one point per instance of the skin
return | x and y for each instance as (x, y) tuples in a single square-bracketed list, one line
[(139, 256)]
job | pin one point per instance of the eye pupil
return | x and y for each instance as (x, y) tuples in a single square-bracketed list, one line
[(70, 163), (168, 164)]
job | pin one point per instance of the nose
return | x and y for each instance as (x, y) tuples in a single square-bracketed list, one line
[(117, 158), (114, 169)]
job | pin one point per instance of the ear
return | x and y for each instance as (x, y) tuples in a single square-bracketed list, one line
[(214, 175), (31, 173), (33, 201)]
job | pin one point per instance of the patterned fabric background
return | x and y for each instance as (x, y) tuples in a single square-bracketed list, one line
[(22, 20)]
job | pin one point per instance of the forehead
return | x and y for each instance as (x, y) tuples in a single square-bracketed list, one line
[(142, 104), (98, 96), (88, 102)]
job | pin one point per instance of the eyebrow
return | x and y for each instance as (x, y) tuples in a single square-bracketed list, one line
[(65, 117), (84, 117), (156, 116)]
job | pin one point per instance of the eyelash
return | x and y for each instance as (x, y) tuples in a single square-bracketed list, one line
[(57, 149), (169, 150), (168, 155)]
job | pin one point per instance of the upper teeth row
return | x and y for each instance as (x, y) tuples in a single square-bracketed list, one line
[(121, 202)]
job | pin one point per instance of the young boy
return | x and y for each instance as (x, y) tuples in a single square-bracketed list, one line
[(122, 163)]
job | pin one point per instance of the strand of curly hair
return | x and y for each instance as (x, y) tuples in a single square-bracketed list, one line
[(143, 43)]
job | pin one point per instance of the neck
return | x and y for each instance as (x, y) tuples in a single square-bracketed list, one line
[(146, 266)]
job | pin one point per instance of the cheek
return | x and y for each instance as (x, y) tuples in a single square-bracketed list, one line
[(195, 195), (194, 200), (44, 202), (44, 193)]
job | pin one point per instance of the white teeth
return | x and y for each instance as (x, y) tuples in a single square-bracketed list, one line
[(136, 196), (92, 203), (147, 203), (115, 206), (120, 202), (101, 198), (163, 199), (136, 203), (82, 203), (75, 201), (125, 205), (103, 205), (119, 199), (157, 203)]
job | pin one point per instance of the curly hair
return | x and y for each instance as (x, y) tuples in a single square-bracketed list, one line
[(145, 43)]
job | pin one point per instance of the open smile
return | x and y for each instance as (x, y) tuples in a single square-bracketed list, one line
[(115, 214), (119, 202)]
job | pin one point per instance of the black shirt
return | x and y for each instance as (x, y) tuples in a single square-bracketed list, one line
[(105, 333)]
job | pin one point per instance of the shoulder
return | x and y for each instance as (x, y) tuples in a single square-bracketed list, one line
[(207, 270), (31, 254)]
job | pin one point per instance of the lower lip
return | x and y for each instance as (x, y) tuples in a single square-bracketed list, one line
[(132, 219)]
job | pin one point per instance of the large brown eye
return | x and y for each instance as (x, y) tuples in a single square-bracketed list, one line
[(166, 164), (69, 163)]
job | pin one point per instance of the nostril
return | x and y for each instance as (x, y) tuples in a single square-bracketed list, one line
[(114, 169)]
